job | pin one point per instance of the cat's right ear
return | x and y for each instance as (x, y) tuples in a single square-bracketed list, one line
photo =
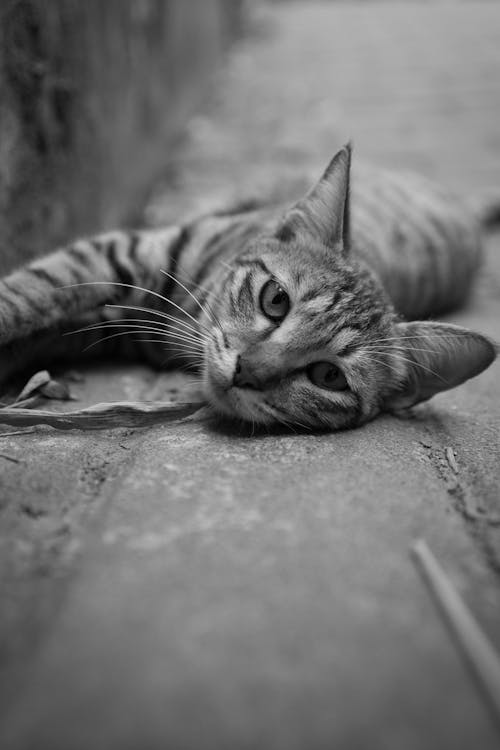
[(436, 357), (324, 212)]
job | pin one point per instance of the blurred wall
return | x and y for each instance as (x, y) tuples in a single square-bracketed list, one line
[(92, 96)]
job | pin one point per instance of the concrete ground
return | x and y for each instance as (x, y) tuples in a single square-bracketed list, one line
[(189, 587)]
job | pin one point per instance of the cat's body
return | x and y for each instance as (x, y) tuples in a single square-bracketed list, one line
[(265, 298)]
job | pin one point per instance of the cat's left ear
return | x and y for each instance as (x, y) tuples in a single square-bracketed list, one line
[(324, 212), (437, 356)]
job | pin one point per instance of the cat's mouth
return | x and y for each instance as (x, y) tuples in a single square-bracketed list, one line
[(243, 403), (234, 402), (225, 397)]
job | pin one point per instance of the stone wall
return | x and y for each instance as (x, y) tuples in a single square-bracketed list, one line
[(92, 96)]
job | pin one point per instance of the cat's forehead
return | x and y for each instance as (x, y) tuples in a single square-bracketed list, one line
[(312, 273), (302, 264), (327, 288)]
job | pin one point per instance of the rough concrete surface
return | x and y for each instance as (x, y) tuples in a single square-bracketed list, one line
[(194, 586)]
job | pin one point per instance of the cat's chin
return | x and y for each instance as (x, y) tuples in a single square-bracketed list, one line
[(235, 403)]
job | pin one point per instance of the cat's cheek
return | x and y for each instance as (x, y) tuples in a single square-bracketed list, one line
[(245, 406), (367, 412), (218, 367), (214, 391)]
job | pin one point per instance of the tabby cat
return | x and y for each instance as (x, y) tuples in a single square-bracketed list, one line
[(292, 315)]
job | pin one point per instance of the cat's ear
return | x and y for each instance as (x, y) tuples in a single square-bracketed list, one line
[(437, 356), (324, 212)]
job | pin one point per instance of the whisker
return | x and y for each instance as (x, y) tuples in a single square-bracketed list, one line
[(166, 336), (275, 409), (208, 311), (171, 345), (271, 410), (395, 350), (386, 365), (413, 363), (435, 334), (189, 278), (424, 367), (301, 424), (284, 422), (199, 287), (132, 332), (174, 346), (209, 292), (160, 314), (139, 289), (190, 365), (204, 311), (166, 332)]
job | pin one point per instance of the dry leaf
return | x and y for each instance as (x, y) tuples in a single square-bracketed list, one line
[(34, 384), (55, 389), (74, 376), (452, 461), (101, 416), (41, 384)]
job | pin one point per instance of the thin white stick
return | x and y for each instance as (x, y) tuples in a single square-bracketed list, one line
[(477, 650)]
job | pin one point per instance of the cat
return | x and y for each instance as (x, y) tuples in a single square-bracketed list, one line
[(303, 315)]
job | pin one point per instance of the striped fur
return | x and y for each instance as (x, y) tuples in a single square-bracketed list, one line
[(350, 261)]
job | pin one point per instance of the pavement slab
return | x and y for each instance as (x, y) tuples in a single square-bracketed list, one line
[(199, 586)]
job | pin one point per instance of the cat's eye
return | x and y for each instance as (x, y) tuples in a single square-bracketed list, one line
[(274, 301), (326, 375)]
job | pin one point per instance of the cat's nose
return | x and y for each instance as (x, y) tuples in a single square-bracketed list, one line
[(244, 376)]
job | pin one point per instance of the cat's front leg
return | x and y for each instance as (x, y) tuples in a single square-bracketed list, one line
[(54, 293), (82, 340), (53, 290)]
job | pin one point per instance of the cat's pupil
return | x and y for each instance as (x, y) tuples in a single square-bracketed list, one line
[(274, 301), (325, 375)]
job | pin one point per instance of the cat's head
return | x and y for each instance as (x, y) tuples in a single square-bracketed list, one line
[(308, 337)]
